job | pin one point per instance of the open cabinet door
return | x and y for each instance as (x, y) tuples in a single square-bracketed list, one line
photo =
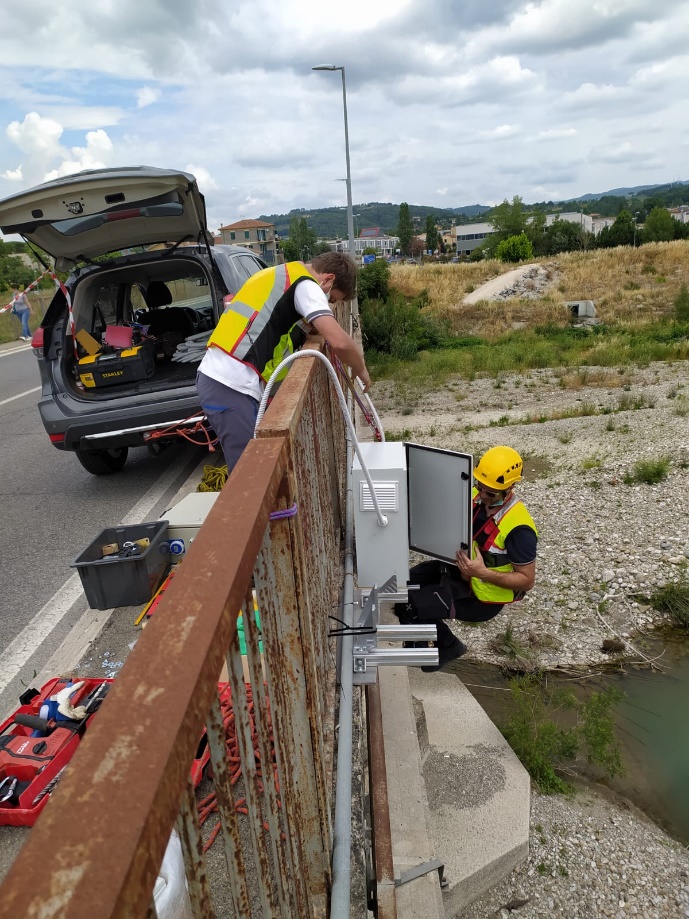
[(439, 484)]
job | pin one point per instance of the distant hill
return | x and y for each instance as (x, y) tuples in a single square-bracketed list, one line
[(331, 222), (634, 191)]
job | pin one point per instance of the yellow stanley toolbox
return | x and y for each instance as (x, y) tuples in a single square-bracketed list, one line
[(126, 365)]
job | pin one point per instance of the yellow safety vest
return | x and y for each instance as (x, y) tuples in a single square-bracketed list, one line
[(512, 514), (261, 326)]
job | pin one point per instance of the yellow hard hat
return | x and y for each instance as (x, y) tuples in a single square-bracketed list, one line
[(499, 468)]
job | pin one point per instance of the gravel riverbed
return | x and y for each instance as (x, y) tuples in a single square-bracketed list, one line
[(604, 547)]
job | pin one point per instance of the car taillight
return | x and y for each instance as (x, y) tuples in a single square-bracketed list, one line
[(37, 338), (56, 438)]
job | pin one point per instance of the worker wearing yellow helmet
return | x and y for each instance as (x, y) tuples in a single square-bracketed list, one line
[(500, 569)]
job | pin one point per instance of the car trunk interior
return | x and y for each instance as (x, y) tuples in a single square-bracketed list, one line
[(130, 322)]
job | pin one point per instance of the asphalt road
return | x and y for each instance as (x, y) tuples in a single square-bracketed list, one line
[(50, 510)]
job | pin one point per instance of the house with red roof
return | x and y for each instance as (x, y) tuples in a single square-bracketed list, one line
[(256, 235)]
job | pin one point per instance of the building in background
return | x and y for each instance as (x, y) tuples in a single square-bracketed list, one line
[(253, 234), (368, 238), (469, 236)]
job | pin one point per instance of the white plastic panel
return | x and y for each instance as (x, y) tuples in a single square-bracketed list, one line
[(387, 493), (381, 551), (439, 495)]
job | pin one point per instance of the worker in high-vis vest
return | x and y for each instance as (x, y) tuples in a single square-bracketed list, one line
[(269, 318), (500, 569)]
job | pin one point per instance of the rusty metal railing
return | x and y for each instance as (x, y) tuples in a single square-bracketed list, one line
[(96, 851)]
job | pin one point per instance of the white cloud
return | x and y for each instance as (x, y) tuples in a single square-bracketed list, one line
[(503, 131), (205, 180), (147, 95), (556, 134), (96, 154), (448, 103), (13, 175)]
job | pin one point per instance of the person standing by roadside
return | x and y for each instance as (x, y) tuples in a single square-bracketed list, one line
[(269, 318), (21, 308)]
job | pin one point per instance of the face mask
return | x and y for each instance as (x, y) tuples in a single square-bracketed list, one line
[(328, 291)]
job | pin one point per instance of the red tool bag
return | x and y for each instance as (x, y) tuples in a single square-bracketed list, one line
[(35, 750)]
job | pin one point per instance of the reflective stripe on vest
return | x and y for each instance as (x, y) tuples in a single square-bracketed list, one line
[(512, 514), (258, 326)]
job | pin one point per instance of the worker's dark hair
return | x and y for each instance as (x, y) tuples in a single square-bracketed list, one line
[(342, 267)]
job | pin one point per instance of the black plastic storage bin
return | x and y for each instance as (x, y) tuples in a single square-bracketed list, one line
[(114, 581)]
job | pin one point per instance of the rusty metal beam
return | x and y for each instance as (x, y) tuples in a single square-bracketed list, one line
[(382, 839), (122, 792)]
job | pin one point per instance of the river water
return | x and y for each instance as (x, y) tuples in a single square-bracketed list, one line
[(652, 723)]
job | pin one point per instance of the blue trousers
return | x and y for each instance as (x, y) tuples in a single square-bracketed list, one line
[(23, 315), (231, 414)]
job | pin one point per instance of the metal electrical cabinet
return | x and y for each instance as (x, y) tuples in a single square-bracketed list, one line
[(381, 551), (424, 492)]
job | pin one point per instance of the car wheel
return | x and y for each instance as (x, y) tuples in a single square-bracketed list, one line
[(103, 462)]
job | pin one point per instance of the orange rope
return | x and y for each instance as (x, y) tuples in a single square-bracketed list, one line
[(181, 431), (209, 804)]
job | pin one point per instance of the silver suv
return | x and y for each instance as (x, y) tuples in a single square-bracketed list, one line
[(146, 288)]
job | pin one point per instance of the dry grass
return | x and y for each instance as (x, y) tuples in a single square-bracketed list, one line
[(634, 286), (599, 377)]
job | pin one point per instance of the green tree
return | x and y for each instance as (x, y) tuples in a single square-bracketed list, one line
[(515, 249), (621, 233), (431, 234), (301, 244), (536, 231), (659, 226), (682, 304), (565, 236), (405, 229), (508, 220)]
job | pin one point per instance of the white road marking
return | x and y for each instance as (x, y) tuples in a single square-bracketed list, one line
[(22, 347), (32, 636), (21, 395)]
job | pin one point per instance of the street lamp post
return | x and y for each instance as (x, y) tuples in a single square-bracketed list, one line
[(348, 180), (635, 216)]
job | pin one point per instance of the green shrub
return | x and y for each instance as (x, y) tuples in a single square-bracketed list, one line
[(682, 304), (374, 281), (515, 249), (398, 328), (649, 472), (673, 599), (543, 747)]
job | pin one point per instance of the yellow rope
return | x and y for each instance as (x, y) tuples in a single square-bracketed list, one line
[(214, 477)]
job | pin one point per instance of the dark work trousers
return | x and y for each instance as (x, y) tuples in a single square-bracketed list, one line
[(231, 414), (442, 594)]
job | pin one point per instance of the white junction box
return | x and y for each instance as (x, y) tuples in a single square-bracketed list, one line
[(185, 519), (381, 551), (425, 493)]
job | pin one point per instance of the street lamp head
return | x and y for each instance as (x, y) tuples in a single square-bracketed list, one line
[(327, 67)]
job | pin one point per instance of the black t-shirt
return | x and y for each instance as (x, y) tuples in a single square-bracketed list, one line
[(520, 543)]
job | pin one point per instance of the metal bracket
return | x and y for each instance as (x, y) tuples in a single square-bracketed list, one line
[(367, 656), (418, 871)]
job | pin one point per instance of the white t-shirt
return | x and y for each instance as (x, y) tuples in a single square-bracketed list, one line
[(309, 301)]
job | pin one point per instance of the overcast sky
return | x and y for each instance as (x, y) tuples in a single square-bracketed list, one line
[(450, 102)]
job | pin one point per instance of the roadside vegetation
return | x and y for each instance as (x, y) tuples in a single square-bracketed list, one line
[(417, 328), (18, 269)]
